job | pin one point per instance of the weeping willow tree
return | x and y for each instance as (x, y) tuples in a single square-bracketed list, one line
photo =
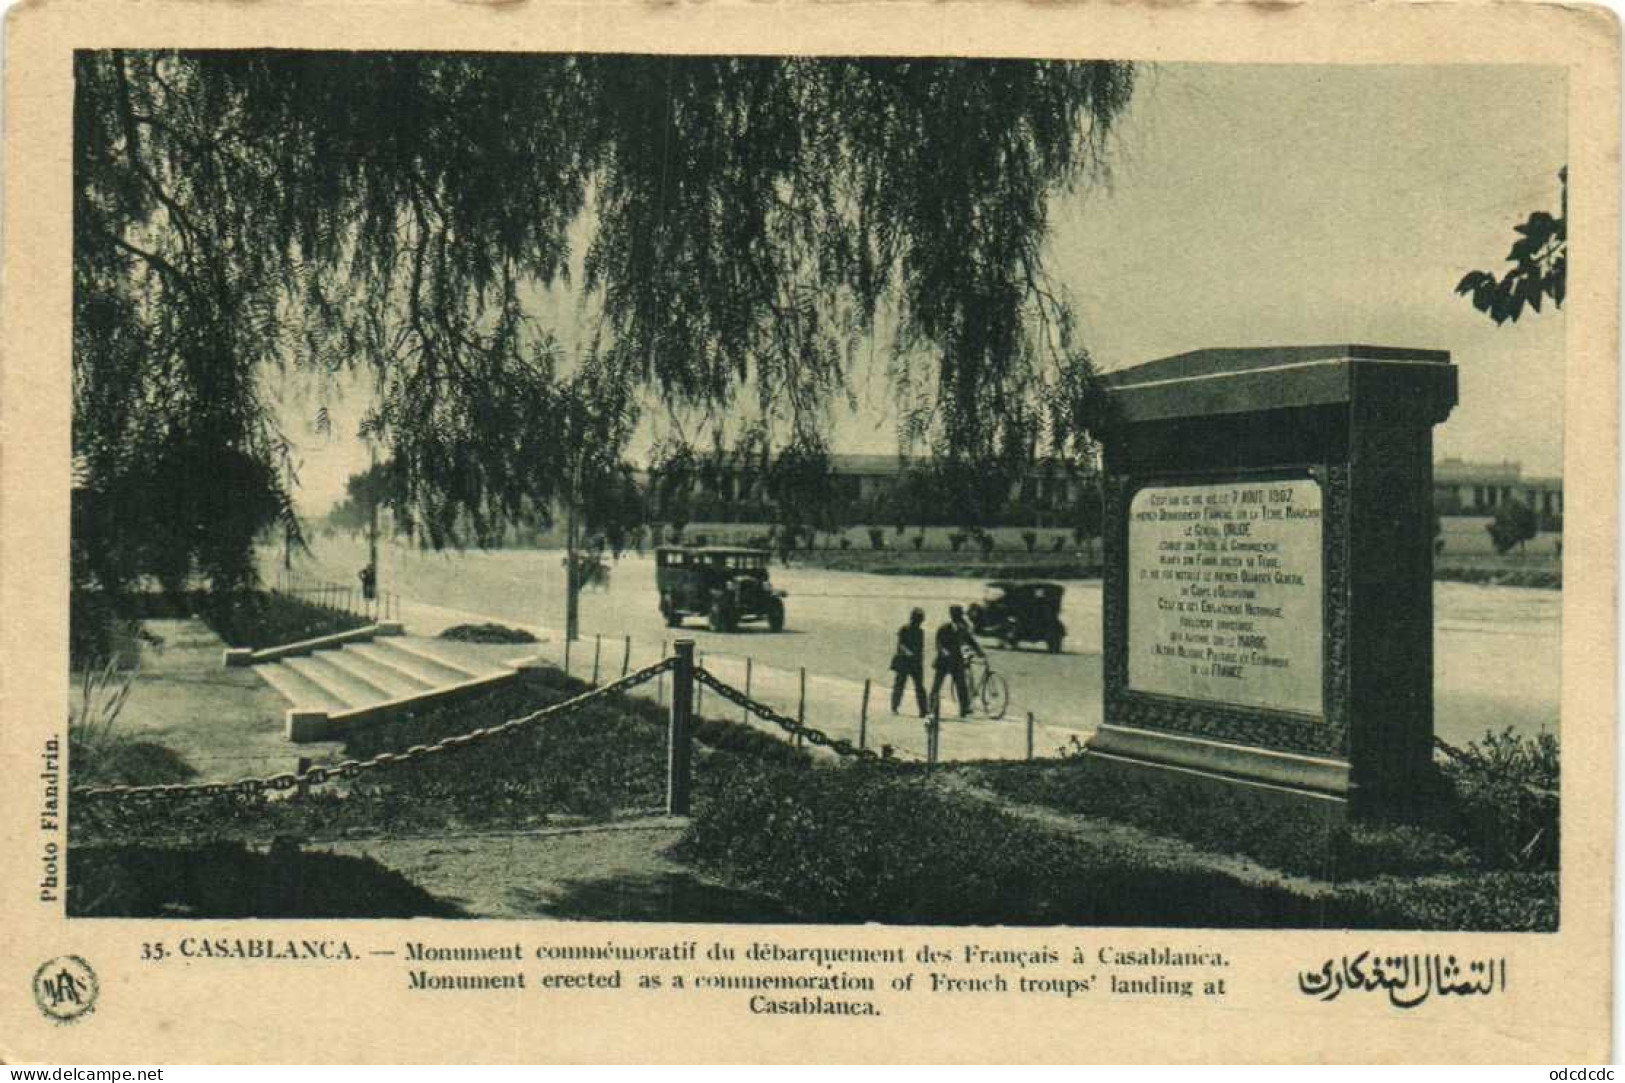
[(730, 231)]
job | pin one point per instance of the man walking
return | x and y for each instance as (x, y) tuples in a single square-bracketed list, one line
[(954, 638), (908, 660)]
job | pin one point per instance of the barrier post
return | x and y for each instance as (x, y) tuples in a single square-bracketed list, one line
[(801, 705), (597, 649), (678, 748), (566, 656), (660, 678), (299, 769), (744, 714), (933, 729), (863, 716), (1029, 735), (626, 657)]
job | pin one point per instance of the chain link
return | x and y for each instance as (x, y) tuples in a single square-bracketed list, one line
[(349, 769), (839, 745)]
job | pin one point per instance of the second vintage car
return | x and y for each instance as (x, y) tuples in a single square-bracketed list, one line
[(727, 585), (1016, 613)]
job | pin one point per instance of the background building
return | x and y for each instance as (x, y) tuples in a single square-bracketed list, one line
[(1468, 488)]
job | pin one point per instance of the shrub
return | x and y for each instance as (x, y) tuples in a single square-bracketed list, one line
[(1029, 538), (487, 633), (919, 542), (258, 619), (101, 753), (957, 540), (877, 538), (1514, 524), (99, 633), (1505, 802)]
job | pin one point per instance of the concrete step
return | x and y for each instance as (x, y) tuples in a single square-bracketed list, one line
[(397, 681), (422, 661), (409, 667), (348, 688), (297, 689)]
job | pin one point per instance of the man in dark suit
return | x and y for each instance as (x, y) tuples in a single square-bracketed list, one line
[(908, 661), (954, 639)]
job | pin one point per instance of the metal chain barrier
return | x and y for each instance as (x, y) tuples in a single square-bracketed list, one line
[(1458, 754), (839, 745), (317, 776)]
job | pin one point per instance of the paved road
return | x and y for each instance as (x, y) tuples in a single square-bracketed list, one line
[(1498, 648)]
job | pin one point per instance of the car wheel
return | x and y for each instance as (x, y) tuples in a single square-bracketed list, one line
[(720, 619), (673, 618), (1054, 642), (775, 615)]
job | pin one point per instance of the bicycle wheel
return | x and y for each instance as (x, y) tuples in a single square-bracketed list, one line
[(995, 695)]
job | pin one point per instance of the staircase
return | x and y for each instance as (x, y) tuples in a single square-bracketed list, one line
[(332, 687)]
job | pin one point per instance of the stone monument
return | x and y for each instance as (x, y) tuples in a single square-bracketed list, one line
[(1268, 585)]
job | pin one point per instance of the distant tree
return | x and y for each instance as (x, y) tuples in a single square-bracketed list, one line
[(800, 484), (364, 491), (1514, 524), (1088, 512), (914, 499), (1539, 259), (616, 505)]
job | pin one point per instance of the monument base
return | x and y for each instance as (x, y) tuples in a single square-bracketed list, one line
[(1321, 782)]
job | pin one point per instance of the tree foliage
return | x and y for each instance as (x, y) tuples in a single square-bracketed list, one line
[(1514, 524), (1539, 259), (743, 225)]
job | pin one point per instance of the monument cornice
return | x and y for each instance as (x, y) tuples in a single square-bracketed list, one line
[(1205, 383)]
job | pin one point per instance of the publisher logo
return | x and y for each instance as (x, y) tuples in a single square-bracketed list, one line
[(65, 988)]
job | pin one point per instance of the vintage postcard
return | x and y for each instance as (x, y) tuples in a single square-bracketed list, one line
[(862, 532)]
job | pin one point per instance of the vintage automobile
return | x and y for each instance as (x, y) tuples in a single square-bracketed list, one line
[(1015, 613), (728, 585)]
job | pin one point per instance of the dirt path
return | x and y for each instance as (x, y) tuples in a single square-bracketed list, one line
[(226, 723)]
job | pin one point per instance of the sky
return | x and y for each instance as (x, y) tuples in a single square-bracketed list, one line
[(1253, 205)]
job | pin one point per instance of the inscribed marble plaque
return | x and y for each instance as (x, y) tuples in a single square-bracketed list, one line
[(1225, 594)]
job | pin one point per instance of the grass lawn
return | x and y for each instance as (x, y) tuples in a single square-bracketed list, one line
[(1534, 569)]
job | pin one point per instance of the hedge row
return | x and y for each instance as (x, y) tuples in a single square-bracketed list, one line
[(259, 619)]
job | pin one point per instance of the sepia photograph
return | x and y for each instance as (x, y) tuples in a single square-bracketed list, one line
[(631, 487), (897, 541)]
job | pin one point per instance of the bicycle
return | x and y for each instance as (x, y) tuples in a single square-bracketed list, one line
[(985, 686)]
